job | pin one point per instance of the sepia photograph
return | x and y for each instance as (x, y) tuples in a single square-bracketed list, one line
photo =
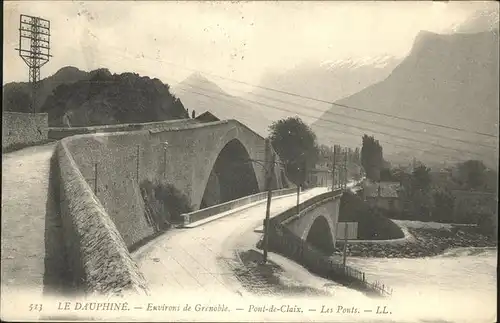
[(250, 161)]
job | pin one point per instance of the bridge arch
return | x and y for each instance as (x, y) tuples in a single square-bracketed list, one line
[(232, 175), (320, 234)]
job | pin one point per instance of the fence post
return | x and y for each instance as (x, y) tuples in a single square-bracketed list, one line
[(95, 179), (137, 171)]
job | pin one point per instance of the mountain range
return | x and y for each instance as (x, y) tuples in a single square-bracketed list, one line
[(327, 81), (259, 108), (446, 79), (200, 94)]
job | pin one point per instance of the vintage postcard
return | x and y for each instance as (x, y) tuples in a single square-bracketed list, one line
[(225, 161)]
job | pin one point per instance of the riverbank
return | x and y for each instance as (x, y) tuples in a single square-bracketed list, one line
[(427, 242), (267, 279)]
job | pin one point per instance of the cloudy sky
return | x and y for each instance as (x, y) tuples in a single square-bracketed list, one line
[(238, 40)]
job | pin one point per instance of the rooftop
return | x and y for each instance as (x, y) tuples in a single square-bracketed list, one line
[(382, 189), (207, 116)]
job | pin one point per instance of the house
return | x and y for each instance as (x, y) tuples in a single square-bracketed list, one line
[(321, 174), (206, 117), (385, 195), (442, 176)]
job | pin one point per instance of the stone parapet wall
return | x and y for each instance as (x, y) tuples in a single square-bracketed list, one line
[(99, 261), (23, 128)]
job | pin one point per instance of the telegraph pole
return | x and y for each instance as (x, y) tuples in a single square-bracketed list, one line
[(302, 179), (345, 168), (333, 168), (137, 166), (342, 169), (269, 177), (34, 49), (345, 244)]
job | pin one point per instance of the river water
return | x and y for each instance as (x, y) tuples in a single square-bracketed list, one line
[(457, 286)]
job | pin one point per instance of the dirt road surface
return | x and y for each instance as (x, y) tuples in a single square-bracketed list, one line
[(31, 236)]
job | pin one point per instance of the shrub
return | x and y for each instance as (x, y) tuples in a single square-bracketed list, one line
[(164, 204)]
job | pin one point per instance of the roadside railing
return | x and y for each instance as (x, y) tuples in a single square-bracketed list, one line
[(229, 205)]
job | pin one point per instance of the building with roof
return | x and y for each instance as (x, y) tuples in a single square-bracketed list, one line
[(207, 116), (385, 195), (321, 174)]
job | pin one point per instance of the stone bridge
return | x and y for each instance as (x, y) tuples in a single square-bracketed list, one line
[(209, 163), (315, 222)]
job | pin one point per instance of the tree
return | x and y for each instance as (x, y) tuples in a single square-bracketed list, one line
[(421, 178), (17, 100), (472, 173), (295, 143), (398, 175), (371, 157), (443, 205), (386, 175)]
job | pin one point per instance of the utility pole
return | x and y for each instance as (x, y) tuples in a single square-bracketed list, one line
[(333, 168), (345, 169), (269, 177), (301, 180), (341, 168), (298, 198), (34, 49), (165, 160), (345, 244), (137, 172)]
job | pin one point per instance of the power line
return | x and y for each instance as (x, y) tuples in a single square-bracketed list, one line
[(357, 135), (347, 125), (359, 119), (320, 100)]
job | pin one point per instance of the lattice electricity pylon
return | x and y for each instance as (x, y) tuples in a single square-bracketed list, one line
[(34, 49)]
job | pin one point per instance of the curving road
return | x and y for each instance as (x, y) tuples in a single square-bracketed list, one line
[(202, 259)]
